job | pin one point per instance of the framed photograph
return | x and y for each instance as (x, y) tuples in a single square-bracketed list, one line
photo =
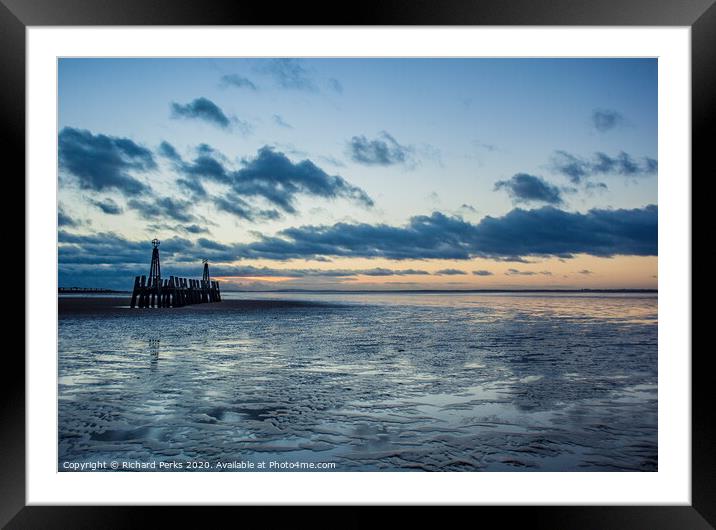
[(439, 257)]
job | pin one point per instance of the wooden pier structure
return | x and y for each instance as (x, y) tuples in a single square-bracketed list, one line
[(174, 292)]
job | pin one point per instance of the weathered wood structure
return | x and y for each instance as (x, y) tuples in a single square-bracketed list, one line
[(174, 292)]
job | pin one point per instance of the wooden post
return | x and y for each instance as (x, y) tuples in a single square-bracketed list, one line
[(171, 297), (143, 292), (135, 292), (165, 293)]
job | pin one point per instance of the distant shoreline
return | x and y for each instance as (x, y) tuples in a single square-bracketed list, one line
[(89, 290), (384, 291), (449, 291)]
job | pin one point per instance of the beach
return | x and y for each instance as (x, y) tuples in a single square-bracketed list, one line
[(365, 382)]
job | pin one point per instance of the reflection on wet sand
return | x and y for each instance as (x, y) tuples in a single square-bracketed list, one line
[(371, 382)]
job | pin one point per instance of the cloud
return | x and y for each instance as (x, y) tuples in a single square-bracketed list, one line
[(113, 260), (383, 151), (173, 228), (605, 119), (167, 150), (278, 120), (202, 109), (235, 80), (273, 176), (335, 85), (99, 249), (204, 166), (585, 272), (121, 275), (483, 146), (450, 272), (102, 163), (545, 232), (332, 160), (107, 205), (235, 205), (164, 207), (270, 176), (595, 186), (289, 74), (379, 271), (194, 187), (108, 248), (577, 169), (515, 272), (63, 219), (482, 273), (529, 188)]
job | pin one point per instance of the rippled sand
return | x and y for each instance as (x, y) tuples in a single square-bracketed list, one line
[(440, 382)]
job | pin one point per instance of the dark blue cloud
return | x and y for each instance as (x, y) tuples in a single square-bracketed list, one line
[(167, 150), (270, 176), (235, 80), (164, 208), (235, 205), (65, 220), (195, 229), (605, 119), (577, 168), (274, 177), (289, 74), (543, 232), (101, 163), (382, 151), (161, 227), (108, 248), (547, 231), (194, 187), (529, 188), (107, 205), (205, 166), (99, 249), (202, 109), (109, 260)]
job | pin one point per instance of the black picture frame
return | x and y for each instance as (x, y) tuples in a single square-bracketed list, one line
[(699, 15)]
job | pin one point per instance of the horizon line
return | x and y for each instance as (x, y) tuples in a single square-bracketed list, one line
[(88, 290)]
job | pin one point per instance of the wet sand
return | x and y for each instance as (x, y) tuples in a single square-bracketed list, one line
[(111, 304), (393, 382)]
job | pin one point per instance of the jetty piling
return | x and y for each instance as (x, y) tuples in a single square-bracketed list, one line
[(174, 292)]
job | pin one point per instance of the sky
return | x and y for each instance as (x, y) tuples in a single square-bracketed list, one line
[(359, 173)]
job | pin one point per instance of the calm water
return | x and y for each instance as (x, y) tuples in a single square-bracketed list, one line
[(395, 382)]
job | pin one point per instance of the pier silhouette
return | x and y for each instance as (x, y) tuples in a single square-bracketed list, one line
[(175, 291)]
